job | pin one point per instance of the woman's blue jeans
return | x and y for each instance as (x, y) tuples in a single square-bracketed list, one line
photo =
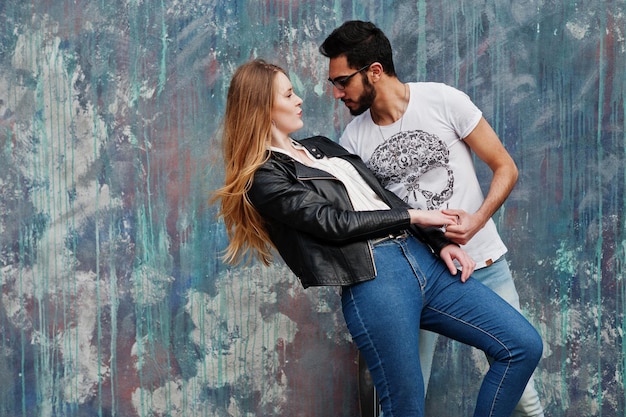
[(412, 288)]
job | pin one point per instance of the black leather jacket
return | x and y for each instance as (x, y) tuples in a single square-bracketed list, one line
[(311, 221)]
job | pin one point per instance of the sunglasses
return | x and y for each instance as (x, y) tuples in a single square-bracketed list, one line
[(340, 83)]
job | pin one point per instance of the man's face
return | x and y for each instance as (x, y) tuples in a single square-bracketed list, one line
[(358, 93)]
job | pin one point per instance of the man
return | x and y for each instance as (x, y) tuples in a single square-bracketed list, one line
[(418, 139)]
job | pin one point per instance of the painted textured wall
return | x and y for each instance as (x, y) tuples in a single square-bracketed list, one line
[(114, 302)]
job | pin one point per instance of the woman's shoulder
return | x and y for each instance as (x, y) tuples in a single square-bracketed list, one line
[(326, 146), (316, 139)]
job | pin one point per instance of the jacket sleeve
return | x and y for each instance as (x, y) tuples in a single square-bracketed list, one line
[(279, 197)]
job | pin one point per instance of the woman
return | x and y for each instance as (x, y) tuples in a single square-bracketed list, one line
[(334, 224)]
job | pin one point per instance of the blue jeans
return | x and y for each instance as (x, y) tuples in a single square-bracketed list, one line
[(498, 278), (412, 287)]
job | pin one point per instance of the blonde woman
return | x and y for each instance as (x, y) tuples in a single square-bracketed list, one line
[(333, 224)]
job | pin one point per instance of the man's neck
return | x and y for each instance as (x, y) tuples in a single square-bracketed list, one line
[(392, 99)]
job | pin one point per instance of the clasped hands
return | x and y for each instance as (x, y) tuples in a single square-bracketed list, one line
[(448, 220)]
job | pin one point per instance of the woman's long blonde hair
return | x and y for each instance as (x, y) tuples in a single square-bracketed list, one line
[(246, 135)]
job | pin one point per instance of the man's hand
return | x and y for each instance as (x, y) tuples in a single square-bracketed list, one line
[(451, 252), (467, 225), (484, 142)]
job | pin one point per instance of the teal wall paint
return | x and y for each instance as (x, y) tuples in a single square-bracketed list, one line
[(114, 301)]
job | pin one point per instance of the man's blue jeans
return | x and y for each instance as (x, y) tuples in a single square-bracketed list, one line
[(498, 278), (412, 286)]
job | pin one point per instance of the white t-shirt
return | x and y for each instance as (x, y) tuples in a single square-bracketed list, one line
[(423, 159)]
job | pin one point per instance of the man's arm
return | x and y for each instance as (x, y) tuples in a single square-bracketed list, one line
[(485, 143)]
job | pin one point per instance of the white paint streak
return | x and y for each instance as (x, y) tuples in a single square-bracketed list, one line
[(577, 30), (242, 337), (58, 166)]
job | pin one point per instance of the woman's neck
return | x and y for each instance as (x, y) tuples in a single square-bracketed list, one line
[(285, 143), (282, 142)]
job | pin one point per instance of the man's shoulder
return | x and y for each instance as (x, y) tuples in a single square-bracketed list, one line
[(429, 87)]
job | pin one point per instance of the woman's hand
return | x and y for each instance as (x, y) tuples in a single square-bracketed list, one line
[(451, 252), (432, 218)]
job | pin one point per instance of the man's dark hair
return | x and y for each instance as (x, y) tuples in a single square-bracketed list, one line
[(362, 43)]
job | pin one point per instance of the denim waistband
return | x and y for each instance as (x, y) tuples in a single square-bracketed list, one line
[(402, 234)]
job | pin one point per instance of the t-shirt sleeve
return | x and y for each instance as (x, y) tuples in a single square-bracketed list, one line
[(464, 114)]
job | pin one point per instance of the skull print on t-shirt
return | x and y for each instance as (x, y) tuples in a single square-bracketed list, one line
[(406, 158)]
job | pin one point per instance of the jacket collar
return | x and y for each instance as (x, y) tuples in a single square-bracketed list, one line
[(319, 147), (302, 171)]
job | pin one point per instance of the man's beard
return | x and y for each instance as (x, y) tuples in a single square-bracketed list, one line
[(367, 98)]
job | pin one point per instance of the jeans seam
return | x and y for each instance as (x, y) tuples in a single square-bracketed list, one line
[(508, 362), (371, 342), (414, 266)]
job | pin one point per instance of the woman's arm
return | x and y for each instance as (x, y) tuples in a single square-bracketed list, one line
[(281, 199), (278, 197)]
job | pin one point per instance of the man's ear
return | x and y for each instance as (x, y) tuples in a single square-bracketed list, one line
[(376, 70)]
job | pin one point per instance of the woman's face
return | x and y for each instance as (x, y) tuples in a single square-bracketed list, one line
[(286, 112)]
